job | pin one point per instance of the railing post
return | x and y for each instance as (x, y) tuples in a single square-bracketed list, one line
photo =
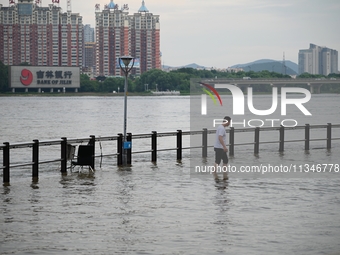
[(329, 135), (128, 154), (6, 163), (205, 143), (93, 143), (307, 136), (120, 150), (282, 138), (231, 141), (257, 140), (179, 144), (154, 146), (35, 160), (64, 155)]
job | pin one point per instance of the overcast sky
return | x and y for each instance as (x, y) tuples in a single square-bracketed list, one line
[(222, 33)]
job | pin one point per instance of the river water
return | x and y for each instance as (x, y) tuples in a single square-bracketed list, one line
[(163, 208)]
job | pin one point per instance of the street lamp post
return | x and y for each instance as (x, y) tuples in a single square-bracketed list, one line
[(126, 68)]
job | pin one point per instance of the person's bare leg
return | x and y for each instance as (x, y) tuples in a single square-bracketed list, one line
[(214, 172), (225, 173)]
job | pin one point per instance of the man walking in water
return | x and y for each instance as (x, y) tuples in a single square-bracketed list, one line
[(221, 149)]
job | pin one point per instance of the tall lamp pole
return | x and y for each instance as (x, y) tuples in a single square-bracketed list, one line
[(126, 68)]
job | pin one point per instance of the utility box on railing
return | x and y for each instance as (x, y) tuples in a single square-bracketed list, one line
[(127, 145)]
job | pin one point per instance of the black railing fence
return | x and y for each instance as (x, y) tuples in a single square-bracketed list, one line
[(67, 145)]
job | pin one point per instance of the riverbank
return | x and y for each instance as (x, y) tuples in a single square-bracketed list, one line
[(79, 94), (96, 94)]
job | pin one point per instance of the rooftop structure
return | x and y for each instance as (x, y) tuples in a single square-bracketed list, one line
[(40, 36), (119, 33)]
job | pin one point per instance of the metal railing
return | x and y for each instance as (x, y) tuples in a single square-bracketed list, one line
[(153, 136)]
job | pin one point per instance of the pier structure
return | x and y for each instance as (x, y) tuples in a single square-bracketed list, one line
[(315, 88)]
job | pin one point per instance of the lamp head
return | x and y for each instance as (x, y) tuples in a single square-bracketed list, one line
[(126, 60)]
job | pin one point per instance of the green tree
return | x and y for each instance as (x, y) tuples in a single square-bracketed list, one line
[(310, 76), (112, 84), (89, 86), (152, 77), (334, 75)]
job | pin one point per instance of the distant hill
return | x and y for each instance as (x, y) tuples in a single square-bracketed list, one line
[(256, 66), (270, 65), (193, 65)]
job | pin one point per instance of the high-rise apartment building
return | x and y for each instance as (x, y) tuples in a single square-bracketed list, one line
[(40, 36), (88, 33), (90, 57), (89, 50), (119, 34), (318, 60)]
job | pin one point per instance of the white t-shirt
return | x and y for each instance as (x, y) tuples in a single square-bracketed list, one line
[(220, 131)]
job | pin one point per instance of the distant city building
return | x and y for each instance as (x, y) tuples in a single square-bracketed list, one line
[(90, 58), (234, 69), (40, 36), (119, 34), (318, 60), (89, 50), (88, 33)]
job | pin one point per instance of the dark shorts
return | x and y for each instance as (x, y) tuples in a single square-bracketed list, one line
[(220, 154)]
